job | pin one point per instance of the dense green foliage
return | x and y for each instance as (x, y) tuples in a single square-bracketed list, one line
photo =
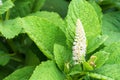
[(37, 36)]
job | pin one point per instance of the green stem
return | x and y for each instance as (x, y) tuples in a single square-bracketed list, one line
[(1, 19), (99, 76), (16, 59), (7, 15)]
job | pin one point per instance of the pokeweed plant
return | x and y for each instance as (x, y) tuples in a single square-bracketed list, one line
[(78, 47)]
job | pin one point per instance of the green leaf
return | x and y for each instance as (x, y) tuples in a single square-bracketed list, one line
[(22, 8), (6, 6), (102, 57), (4, 58), (114, 50), (21, 74), (76, 69), (44, 33), (51, 16), (47, 71), (81, 9), (97, 9), (111, 71), (31, 58), (11, 28), (110, 27), (38, 4), (87, 66), (96, 43), (59, 6), (5, 71), (62, 55)]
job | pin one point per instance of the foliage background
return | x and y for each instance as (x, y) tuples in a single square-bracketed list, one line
[(36, 38)]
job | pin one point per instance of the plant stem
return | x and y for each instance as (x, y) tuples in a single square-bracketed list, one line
[(7, 15), (16, 59), (99, 76)]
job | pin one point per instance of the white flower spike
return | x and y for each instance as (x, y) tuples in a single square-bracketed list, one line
[(79, 44), (1, 2)]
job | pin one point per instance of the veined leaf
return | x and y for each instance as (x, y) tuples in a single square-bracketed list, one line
[(21, 74), (81, 9), (62, 55), (6, 6), (114, 50), (47, 71), (44, 33), (97, 9), (51, 16), (111, 71), (11, 28)]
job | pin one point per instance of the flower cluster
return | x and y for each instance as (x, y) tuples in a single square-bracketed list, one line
[(79, 44)]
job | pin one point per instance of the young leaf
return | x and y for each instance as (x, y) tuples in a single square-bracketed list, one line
[(114, 50), (21, 74), (4, 58), (11, 28), (44, 33), (101, 56), (47, 71), (111, 71), (6, 6), (81, 9)]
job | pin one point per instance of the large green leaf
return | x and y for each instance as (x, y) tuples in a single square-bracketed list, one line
[(21, 74), (47, 71), (62, 55), (6, 6), (4, 58), (114, 50), (44, 33), (110, 27), (51, 16), (11, 28), (111, 71), (81, 9)]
